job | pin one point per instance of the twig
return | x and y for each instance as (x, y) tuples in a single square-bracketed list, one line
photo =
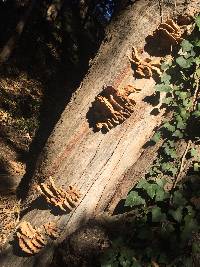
[(175, 6), (194, 101), (11, 43), (182, 166), (161, 10)]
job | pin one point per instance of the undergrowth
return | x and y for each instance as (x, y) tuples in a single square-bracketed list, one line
[(167, 212)]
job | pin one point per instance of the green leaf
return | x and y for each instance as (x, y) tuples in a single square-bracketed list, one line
[(197, 73), (156, 137), (161, 182), (126, 256), (184, 63), (165, 78), (157, 215), (169, 150), (196, 113), (196, 248), (181, 125), (190, 211), (187, 103), (178, 134), (161, 195), (169, 127), (142, 184), (169, 167), (186, 46), (133, 199), (197, 21), (178, 199), (109, 259), (193, 152), (177, 214), (165, 66), (168, 100), (196, 166), (191, 225), (163, 88), (183, 95), (151, 190)]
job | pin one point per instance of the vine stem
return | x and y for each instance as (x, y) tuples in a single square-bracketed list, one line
[(182, 166), (194, 102)]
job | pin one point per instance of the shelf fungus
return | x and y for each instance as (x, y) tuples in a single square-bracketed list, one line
[(144, 68), (51, 230), (30, 240), (168, 34), (64, 200), (112, 107)]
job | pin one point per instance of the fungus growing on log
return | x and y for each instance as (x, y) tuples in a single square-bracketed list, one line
[(51, 230), (30, 240), (168, 34), (144, 68), (112, 107), (64, 200)]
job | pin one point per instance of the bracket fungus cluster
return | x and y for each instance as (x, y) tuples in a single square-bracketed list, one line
[(64, 200), (30, 240), (112, 107), (168, 34), (51, 230), (144, 68)]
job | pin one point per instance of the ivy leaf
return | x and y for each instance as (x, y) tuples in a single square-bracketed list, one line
[(169, 127), (142, 184), (165, 78), (109, 259), (156, 137), (196, 113), (177, 214), (170, 151), (161, 182), (169, 167), (186, 46), (181, 125), (197, 73), (191, 225), (151, 190), (126, 256), (157, 215), (163, 88), (184, 63), (190, 211), (187, 103), (133, 199), (178, 134), (168, 100), (196, 248), (161, 195), (178, 199), (194, 152), (196, 166), (183, 95), (197, 21)]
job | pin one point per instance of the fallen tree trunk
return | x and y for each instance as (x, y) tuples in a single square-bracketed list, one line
[(98, 164)]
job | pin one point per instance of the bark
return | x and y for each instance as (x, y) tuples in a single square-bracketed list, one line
[(98, 164)]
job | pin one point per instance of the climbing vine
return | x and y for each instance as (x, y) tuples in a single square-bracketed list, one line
[(166, 211)]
